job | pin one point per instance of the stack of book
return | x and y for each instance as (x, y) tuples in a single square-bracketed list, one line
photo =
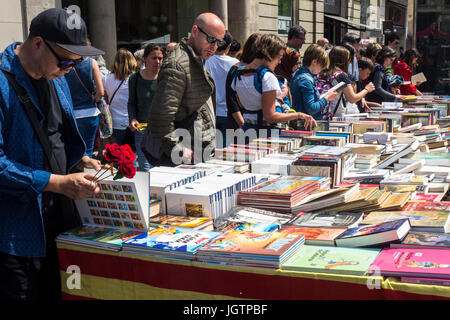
[(239, 167), (243, 153), (274, 164), (163, 179), (252, 248), (324, 161), (324, 141), (322, 199), (367, 155), (210, 196), (105, 238), (169, 242), (279, 144), (279, 194)]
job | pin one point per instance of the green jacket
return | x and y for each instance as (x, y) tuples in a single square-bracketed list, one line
[(184, 86)]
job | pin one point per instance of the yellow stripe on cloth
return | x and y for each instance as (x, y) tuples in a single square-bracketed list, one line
[(112, 289), (393, 283)]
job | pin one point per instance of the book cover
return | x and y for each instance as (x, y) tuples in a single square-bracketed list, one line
[(182, 221), (375, 234), (427, 206), (328, 219), (432, 263), (172, 238), (431, 240), (420, 220), (318, 236), (254, 242), (355, 261)]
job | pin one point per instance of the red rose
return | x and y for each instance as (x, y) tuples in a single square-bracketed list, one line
[(114, 153), (127, 169), (128, 154)]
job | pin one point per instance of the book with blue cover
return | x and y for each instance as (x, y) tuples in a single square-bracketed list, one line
[(169, 242), (374, 234)]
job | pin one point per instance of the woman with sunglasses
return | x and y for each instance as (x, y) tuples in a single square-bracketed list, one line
[(382, 93), (116, 90)]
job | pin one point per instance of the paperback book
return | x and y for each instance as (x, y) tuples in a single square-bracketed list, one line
[(428, 221), (424, 240), (252, 248), (169, 242), (327, 220), (354, 261), (404, 262)]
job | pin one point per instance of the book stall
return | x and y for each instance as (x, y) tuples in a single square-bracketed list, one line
[(357, 208)]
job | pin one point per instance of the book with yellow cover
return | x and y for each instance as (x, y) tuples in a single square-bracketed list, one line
[(362, 198), (395, 201)]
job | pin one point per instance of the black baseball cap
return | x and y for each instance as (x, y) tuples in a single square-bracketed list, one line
[(66, 29)]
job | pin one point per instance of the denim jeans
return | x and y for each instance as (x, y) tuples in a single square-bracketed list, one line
[(88, 128), (144, 165)]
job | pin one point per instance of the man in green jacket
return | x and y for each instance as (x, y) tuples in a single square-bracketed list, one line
[(184, 104)]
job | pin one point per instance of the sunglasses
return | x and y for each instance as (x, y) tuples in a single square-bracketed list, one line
[(63, 63), (211, 39)]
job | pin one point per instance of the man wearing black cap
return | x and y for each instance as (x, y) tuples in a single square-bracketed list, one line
[(42, 154)]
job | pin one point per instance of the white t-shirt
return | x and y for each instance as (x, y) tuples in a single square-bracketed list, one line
[(218, 66), (249, 97), (119, 106)]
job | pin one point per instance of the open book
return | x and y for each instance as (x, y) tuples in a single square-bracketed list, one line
[(420, 77), (338, 88)]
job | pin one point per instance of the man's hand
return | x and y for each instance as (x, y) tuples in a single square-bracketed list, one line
[(76, 186)]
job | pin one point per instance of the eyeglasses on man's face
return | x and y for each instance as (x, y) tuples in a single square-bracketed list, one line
[(63, 63), (209, 38)]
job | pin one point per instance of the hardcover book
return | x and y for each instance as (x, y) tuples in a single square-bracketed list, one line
[(355, 261), (375, 234)]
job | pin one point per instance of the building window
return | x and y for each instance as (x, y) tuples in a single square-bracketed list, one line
[(284, 16), (424, 2)]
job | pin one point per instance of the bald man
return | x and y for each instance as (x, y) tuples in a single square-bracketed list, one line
[(322, 42), (183, 99)]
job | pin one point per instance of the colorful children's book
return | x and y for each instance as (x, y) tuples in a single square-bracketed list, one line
[(252, 248), (374, 234), (319, 236), (427, 263), (428, 221), (355, 261), (169, 242), (97, 237), (199, 223), (424, 240)]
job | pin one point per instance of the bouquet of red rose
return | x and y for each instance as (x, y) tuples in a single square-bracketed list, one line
[(121, 162)]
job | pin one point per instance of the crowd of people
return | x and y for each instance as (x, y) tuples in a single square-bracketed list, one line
[(188, 94)]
